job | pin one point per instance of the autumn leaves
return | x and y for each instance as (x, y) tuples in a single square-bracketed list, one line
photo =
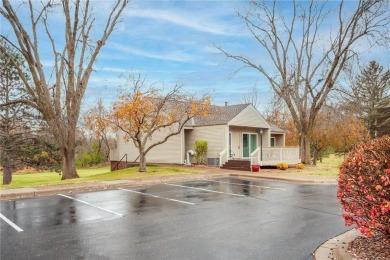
[(143, 109)]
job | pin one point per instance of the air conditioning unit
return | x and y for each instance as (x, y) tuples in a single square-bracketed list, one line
[(213, 162)]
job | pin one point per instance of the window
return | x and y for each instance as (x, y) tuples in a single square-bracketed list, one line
[(273, 141)]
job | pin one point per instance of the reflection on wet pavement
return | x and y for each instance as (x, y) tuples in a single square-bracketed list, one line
[(218, 225)]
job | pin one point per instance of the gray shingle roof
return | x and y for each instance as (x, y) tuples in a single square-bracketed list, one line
[(274, 128), (219, 115)]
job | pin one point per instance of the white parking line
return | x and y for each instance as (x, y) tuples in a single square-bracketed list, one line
[(265, 187), (188, 187), (152, 195), (12, 224), (121, 215)]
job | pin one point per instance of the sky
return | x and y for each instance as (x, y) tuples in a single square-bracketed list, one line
[(173, 42)]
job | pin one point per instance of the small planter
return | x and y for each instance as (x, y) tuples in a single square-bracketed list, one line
[(255, 168)]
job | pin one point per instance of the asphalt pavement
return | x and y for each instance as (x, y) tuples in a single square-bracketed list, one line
[(222, 218)]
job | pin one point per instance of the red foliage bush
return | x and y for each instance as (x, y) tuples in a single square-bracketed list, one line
[(364, 187)]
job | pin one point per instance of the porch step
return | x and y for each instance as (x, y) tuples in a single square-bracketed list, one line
[(238, 165)]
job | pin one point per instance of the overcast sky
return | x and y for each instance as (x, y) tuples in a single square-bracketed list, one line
[(173, 42)]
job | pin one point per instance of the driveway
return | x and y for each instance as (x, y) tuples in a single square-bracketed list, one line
[(225, 218)]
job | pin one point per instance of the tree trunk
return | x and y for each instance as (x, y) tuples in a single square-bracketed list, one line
[(68, 164), (305, 148), (315, 156), (142, 161), (7, 172)]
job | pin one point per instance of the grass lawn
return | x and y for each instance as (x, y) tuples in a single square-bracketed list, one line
[(329, 167), (91, 175)]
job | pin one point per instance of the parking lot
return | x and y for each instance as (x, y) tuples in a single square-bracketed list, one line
[(226, 218)]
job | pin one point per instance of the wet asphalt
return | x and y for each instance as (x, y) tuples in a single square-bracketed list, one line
[(227, 218)]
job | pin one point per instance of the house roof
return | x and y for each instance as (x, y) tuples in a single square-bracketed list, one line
[(219, 115), (274, 128)]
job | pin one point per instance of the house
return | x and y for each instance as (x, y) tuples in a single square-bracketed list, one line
[(238, 136)]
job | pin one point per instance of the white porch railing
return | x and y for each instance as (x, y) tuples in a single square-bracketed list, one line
[(274, 155), (222, 157), (267, 156), (255, 157)]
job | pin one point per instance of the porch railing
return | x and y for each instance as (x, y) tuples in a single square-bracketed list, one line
[(117, 164), (270, 156), (274, 155), (222, 156), (255, 157)]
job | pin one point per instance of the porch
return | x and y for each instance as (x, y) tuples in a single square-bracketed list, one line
[(262, 156)]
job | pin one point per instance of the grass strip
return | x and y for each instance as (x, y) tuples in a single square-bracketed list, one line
[(40, 179)]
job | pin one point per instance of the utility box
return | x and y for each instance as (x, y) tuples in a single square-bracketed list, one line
[(213, 162)]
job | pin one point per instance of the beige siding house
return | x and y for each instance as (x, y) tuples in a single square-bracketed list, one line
[(236, 132)]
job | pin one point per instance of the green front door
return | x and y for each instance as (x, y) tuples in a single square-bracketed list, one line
[(249, 144)]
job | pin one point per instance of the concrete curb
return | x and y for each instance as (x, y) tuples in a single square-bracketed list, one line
[(295, 180), (336, 248)]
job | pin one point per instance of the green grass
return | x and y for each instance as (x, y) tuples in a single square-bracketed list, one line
[(92, 175), (329, 167)]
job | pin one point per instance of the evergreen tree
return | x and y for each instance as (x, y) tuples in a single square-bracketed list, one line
[(370, 88)]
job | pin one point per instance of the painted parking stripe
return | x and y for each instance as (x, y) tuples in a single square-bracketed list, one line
[(264, 187), (118, 214), (189, 187), (155, 196), (12, 224)]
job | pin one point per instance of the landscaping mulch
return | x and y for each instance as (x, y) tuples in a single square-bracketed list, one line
[(374, 248)]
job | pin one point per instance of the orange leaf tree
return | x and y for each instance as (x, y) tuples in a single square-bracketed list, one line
[(276, 113), (323, 132), (95, 120), (337, 128), (349, 130), (146, 109)]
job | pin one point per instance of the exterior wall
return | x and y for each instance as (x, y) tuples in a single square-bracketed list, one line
[(216, 137), (279, 139), (250, 117), (266, 138), (169, 152), (237, 138)]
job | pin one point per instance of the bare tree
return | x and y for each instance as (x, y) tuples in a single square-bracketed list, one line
[(252, 97), (59, 98), (145, 110), (301, 74)]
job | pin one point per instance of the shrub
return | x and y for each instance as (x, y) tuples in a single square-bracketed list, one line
[(364, 187), (200, 150), (282, 166), (300, 166), (91, 157)]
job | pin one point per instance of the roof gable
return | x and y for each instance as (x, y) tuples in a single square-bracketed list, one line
[(249, 117)]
